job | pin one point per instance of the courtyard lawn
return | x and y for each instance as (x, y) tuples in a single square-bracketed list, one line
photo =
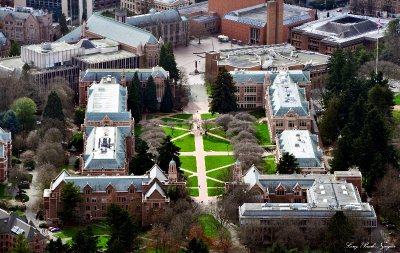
[(19, 213), (209, 116), (188, 163), (212, 183), (102, 242), (396, 116), (138, 130), (263, 133), (192, 182), (212, 143), (172, 120), (186, 143), (213, 162), (270, 165), (182, 116), (3, 192), (218, 131), (209, 225), (221, 174), (396, 99), (215, 191), (69, 232), (258, 114), (194, 192), (173, 133)]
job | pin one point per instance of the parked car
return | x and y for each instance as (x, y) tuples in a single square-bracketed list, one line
[(391, 226), (54, 229)]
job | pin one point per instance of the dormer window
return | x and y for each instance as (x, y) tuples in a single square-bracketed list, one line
[(280, 192)]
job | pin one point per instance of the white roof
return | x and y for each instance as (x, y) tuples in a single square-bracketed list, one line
[(153, 188), (156, 172), (104, 97)]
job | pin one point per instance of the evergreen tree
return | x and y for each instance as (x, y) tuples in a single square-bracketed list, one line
[(167, 103), (21, 245), (223, 99), (84, 241), (143, 160), (53, 109), (70, 198), (168, 151), (163, 60), (11, 122), (115, 247), (328, 125), (287, 164), (135, 98), (55, 246), (79, 115), (63, 24), (150, 96), (197, 246), (123, 228), (172, 66), (340, 231), (15, 49)]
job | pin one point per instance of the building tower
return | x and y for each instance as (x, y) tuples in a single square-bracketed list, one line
[(172, 171), (120, 15), (237, 172), (274, 22)]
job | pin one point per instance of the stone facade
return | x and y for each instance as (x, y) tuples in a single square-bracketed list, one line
[(144, 197), (143, 6), (25, 27), (377, 8), (5, 155)]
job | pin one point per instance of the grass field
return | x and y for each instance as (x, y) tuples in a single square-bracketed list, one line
[(194, 192), (102, 242), (19, 213), (221, 174), (212, 183), (215, 191), (192, 182), (209, 225), (212, 143), (3, 192), (185, 143), (209, 116), (396, 116), (213, 162), (173, 133), (218, 131), (138, 129), (270, 165), (188, 163), (396, 99), (182, 116), (69, 232), (263, 134)]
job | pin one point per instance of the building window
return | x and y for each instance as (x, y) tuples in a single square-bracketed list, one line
[(103, 200), (87, 191), (250, 89), (250, 98), (254, 36), (303, 123), (280, 192), (279, 123), (291, 124), (87, 208), (156, 205), (94, 200)]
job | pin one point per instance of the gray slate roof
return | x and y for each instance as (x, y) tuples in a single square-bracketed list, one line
[(4, 138), (13, 224), (114, 116), (345, 30), (97, 74), (163, 17)]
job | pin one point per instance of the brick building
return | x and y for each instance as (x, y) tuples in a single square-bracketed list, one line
[(26, 26), (13, 225), (5, 45), (107, 130), (377, 8), (105, 4), (268, 58), (5, 155), (145, 197), (123, 76), (345, 31), (143, 6), (7, 3)]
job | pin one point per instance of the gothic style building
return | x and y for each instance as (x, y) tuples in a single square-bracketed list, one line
[(5, 155)]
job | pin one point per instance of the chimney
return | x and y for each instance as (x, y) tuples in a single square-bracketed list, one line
[(274, 22)]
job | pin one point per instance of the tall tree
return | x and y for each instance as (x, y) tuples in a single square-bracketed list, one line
[(25, 109), (135, 98), (63, 24), (172, 68), (168, 151), (15, 49), (287, 164), (55, 246), (150, 96), (197, 246), (223, 99), (143, 160), (84, 241), (53, 109), (167, 103), (10, 122), (21, 245), (340, 230), (70, 198), (122, 226)]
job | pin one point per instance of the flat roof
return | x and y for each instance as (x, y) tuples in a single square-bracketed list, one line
[(51, 47), (105, 97), (197, 7), (104, 143), (103, 57)]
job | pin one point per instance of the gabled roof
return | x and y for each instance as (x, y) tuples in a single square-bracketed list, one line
[(91, 75), (156, 172), (5, 137), (153, 188), (158, 18)]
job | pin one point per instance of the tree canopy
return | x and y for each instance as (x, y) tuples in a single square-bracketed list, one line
[(223, 99), (84, 241), (21, 245), (167, 61), (167, 103), (9, 121), (143, 159), (340, 230), (150, 96), (63, 24), (168, 151), (53, 108), (287, 164), (25, 109), (70, 198), (135, 98)]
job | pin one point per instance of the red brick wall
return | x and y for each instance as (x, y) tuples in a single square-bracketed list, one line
[(223, 6), (235, 30)]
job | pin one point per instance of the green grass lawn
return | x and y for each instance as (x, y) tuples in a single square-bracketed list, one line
[(213, 162), (270, 165), (19, 213), (194, 192), (212, 143), (192, 182), (212, 183), (218, 131), (172, 120), (69, 232), (186, 143), (209, 116), (396, 116), (396, 99), (215, 191), (173, 133), (221, 174), (209, 225), (263, 133), (138, 130), (102, 242), (188, 163), (3, 192), (258, 114), (183, 116)]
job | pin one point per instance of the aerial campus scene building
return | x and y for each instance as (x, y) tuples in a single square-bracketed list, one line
[(199, 126)]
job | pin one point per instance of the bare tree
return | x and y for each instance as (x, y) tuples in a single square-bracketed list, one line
[(33, 139), (53, 135), (291, 236), (51, 153), (224, 120), (198, 30), (390, 70), (236, 126), (245, 117), (386, 197), (223, 242), (45, 174), (243, 136), (232, 199), (207, 125), (65, 93), (27, 156)]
